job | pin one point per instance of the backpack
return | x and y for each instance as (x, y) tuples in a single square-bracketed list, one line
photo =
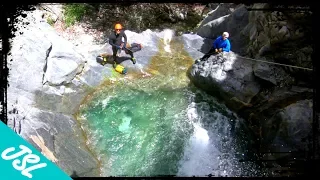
[(134, 47)]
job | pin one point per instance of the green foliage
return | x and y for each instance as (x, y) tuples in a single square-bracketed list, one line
[(50, 21), (74, 12), (136, 16)]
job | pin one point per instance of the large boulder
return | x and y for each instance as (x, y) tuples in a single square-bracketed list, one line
[(262, 93), (227, 76), (63, 62), (271, 108), (41, 114), (219, 11), (195, 45), (291, 127), (282, 36)]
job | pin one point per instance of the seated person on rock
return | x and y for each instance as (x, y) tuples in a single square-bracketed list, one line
[(115, 40), (221, 44)]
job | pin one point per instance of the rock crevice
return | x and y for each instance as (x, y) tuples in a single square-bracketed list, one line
[(45, 66)]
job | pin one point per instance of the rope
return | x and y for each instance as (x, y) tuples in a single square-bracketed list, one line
[(265, 61), (276, 63), (308, 69)]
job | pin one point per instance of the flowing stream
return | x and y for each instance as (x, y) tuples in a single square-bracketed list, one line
[(161, 124)]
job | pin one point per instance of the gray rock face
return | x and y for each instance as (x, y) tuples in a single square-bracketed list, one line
[(49, 77), (291, 127), (63, 62), (195, 45), (263, 71), (232, 75), (279, 35), (41, 114), (240, 83), (214, 28), (28, 61), (66, 143), (221, 10), (232, 23)]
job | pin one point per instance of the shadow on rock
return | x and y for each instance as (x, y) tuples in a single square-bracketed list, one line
[(279, 117), (74, 175), (207, 44), (108, 59)]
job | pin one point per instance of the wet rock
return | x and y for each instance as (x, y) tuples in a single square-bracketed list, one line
[(62, 76), (195, 45), (291, 127), (67, 144), (232, 23), (221, 10), (44, 109), (227, 76), (263, 71)]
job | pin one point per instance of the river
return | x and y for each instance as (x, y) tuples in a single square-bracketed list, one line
[(155, 122)]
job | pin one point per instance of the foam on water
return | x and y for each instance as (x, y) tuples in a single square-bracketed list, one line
[(198, 154), (212, 147), (168, 34), (125, 125), (150, 127)]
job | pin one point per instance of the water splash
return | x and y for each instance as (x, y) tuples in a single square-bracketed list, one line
[(144, 73), (212, 147), (198, 154), (168, 34), (158, 126)]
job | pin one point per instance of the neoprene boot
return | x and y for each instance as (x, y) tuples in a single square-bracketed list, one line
[(133, 60)]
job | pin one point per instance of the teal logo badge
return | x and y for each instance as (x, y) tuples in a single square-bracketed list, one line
[(20, 160)]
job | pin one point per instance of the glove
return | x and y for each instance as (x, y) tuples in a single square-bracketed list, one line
[(220, 50), (216, 50)]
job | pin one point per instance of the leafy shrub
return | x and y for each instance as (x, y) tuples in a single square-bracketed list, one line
[(50, 21), (74, 12)]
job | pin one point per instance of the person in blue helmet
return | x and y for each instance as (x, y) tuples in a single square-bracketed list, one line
[(221, 44)]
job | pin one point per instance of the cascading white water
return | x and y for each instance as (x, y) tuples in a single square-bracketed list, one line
[(160, 126), (212, 147), (165, 132), (168, 34)]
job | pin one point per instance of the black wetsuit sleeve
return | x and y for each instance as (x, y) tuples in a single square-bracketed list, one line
[(111, 40)]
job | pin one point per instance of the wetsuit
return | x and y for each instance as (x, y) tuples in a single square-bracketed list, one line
[(217, 44), (115, 41)]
